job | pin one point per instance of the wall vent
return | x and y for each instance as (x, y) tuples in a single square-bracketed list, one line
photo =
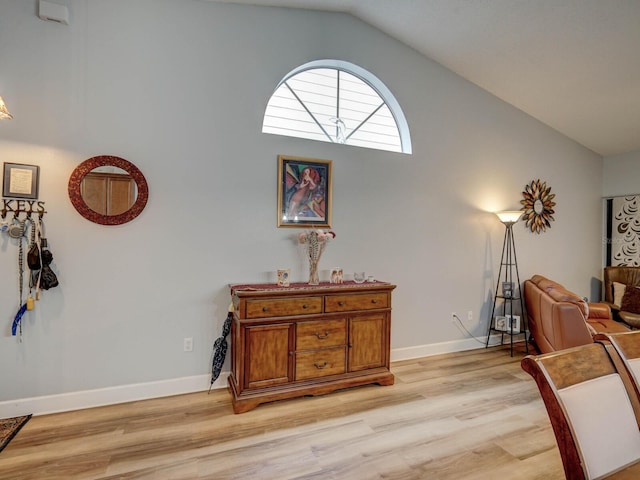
[(53, 12)]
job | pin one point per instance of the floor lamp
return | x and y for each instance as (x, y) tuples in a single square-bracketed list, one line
[(510, 292)]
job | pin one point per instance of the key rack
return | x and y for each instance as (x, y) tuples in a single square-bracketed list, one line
[(20, 206)]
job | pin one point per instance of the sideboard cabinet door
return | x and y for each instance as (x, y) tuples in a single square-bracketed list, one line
[(368, 342), (268, 359)]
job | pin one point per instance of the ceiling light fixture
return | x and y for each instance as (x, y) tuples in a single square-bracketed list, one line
[(4, 113)]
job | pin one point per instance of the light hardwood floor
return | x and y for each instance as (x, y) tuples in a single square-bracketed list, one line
[(470, 415)]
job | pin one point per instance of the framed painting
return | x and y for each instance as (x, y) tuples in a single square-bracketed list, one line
[(304, 192), (20, 181)]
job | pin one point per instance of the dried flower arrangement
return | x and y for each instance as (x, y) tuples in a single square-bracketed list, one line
[(315, 242)]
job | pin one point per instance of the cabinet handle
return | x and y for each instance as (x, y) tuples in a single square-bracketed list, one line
[(351, 345), (265, 309), (320, 367), (341, 304), (375, 300), (322, 337)]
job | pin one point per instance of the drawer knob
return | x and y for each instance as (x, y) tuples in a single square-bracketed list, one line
[(320, 367), (320, 336), (305, 306), (265, 309), (341, 304), (375, 300)]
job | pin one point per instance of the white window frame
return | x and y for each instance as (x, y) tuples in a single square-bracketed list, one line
[(374, 82)]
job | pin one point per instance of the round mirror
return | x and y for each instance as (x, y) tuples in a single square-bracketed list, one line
[(538, 206), (108, 190)]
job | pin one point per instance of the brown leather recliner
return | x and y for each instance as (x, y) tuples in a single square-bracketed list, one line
[(628, 276), (560, 319)]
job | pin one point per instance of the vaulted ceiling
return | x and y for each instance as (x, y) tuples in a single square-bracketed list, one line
[(572, 64)]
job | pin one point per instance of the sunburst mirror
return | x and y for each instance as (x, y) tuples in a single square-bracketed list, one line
[(537, 205)]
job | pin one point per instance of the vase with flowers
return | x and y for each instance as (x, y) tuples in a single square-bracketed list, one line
[(314, 242)]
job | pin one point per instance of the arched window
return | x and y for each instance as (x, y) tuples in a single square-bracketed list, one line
[(338, 102)]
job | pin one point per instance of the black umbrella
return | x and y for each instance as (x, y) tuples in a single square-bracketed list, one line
[(220, 350)]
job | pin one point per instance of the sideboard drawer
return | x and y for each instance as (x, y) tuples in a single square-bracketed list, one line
[(283, 307), (321, 363), (320, 334), (345, 303)]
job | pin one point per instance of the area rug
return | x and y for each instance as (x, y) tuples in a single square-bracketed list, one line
[(9, 427)]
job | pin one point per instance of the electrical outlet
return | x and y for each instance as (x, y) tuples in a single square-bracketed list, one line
[(188, 344), (470, 315)]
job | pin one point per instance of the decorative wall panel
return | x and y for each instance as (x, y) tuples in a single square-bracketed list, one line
[(623, 231)]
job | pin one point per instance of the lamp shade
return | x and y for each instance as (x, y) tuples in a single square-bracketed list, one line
[(509, 216), (4, 113)]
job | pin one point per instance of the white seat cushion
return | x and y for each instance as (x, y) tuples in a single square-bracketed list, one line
[(604, 424)]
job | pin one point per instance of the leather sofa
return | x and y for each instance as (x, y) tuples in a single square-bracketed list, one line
[(560, 319), (616, 280)]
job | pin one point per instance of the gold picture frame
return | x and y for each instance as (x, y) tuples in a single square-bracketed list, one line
[(304, 192)]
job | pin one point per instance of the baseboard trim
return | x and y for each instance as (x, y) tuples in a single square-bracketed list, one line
[(419, 351), (65, 402)]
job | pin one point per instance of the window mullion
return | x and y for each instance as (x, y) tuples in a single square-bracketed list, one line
[(309, 112), (364, 121)]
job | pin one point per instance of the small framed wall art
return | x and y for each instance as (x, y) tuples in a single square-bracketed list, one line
[(507, 323), (500, 323), (20, 181), (513, 323), (304, 192)]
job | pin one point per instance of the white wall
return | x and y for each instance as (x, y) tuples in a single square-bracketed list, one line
[(179, 88), (621, 175)]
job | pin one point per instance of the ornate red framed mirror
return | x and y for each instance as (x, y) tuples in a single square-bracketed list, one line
[(101, 179)]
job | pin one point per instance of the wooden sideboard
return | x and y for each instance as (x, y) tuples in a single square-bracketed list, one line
[(301, 340)]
